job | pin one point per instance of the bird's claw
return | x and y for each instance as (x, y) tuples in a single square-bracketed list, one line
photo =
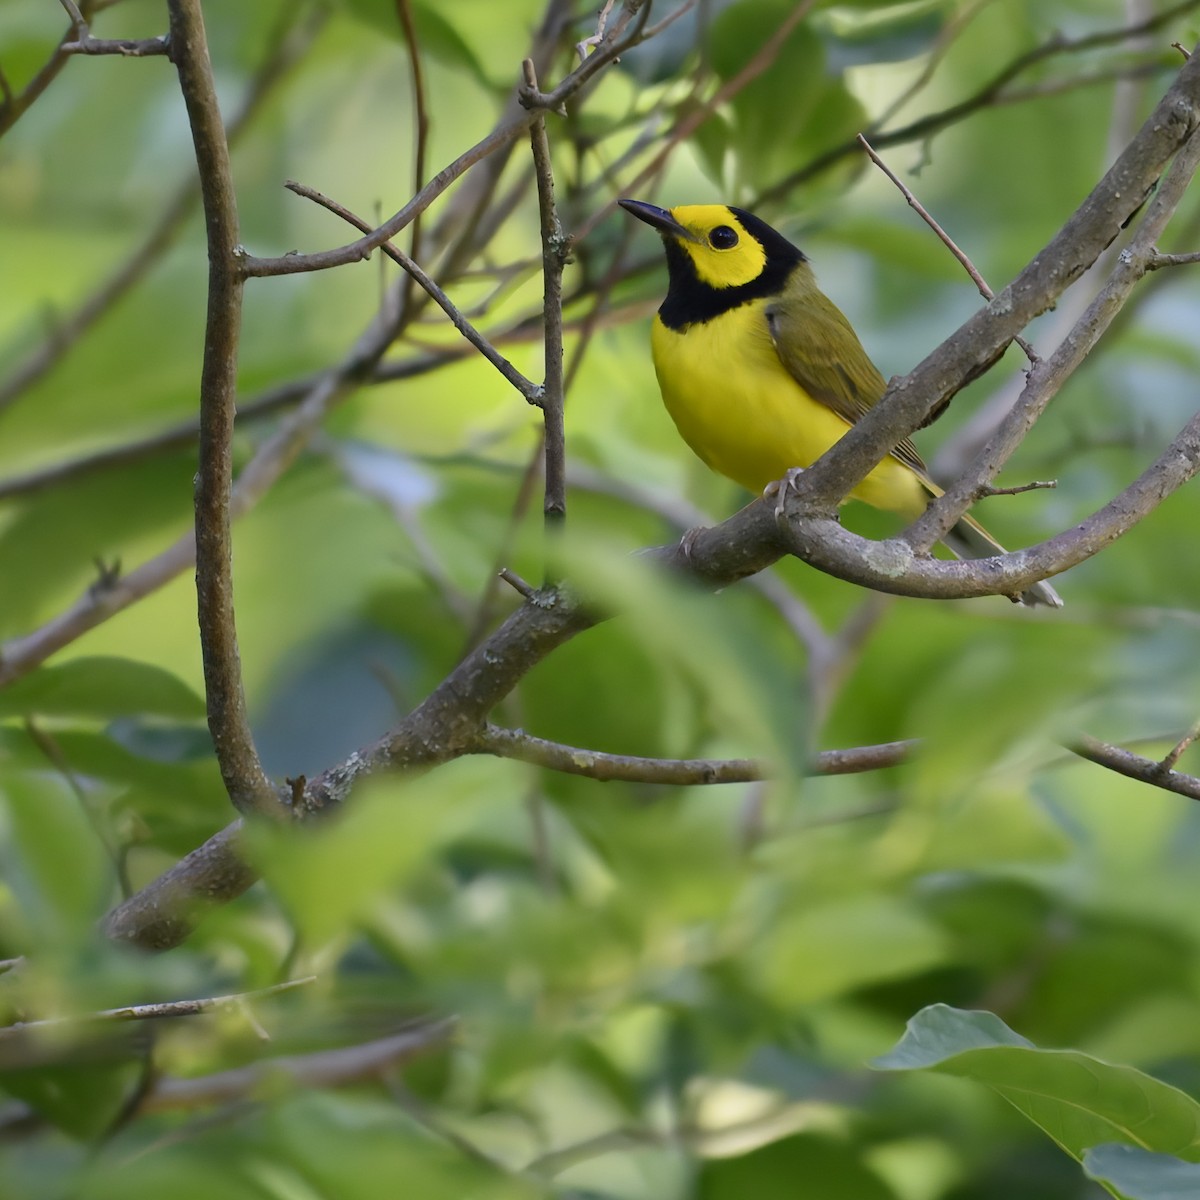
[(780, 489), (689, 540)]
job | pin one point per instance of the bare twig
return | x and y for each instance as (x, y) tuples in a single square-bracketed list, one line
[(946, 240), (285, 48), (1134, 766), (1032, 486), (84, 43), (1158, 261), (322, 1069), (554, 257), (420, 128), (594, 764), (612, 46), (528, 389), (992, 93), (148, 1012), (241, 770), (761, 61), (125, 47), (49, 746), (15, 106), (526, 590), (1177, 751)]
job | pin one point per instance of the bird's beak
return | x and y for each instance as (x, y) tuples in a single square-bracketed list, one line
[(657, 218)]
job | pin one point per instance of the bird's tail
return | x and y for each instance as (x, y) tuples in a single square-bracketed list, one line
[(969, 539)]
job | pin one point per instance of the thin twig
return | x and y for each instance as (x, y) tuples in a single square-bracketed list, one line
[(125, 47), (241, 769), (611, 48), (683, 129), (49, 746), (1134, 766), (321, 1069), (990, 94), (16, 106), (554, 257), (1033, 486), (630, 768), (946, 240), (1158, 261), (528, 389), (150, 1012), (420, 129), (518, 585), (286, 46), (1177, 751)]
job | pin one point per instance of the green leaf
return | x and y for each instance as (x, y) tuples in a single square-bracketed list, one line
[(787, 1169), (1076, 1099), (333, 873), (82, 1099), (1142, 1175), (57, 878), (102, 688), (826, 950)]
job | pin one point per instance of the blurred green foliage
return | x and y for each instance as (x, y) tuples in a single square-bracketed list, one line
[(662, 992)]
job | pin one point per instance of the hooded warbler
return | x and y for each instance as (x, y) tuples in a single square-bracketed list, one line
[(761, 372)]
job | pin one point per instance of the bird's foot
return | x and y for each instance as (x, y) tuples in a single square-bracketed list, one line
[(689, 540), (779, 489)]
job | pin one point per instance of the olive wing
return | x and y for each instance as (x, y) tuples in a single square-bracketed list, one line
[(822, 353)]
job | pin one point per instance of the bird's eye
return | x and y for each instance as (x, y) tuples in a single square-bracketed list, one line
[(723, 238)]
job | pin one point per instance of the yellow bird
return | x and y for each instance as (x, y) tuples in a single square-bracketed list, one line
[(761, 372)]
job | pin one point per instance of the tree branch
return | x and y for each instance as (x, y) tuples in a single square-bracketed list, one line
[(964, 261), (241, 770), (684, 772), (285, 50), (321, 1069), (526, 387), (21, 1030), (613, 44), (15, 106), (977, 344), (555, 251), (991, 93), (1134, 766), (1047, 378)]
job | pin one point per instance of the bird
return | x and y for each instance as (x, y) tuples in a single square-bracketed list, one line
[(761, 372)]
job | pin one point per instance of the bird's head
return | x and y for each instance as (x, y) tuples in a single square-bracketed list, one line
[(715, 244)]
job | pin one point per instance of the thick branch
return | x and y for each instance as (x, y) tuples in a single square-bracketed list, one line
[(978, 343), (162, 914), (752, 539), (1047, 377), (242, 772)]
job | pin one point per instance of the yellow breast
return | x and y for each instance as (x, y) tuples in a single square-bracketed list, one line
[(744, 415)]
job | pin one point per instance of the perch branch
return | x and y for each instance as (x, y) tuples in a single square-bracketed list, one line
[(241, 770), (555, 251), (1134, 766), (593, 764)]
